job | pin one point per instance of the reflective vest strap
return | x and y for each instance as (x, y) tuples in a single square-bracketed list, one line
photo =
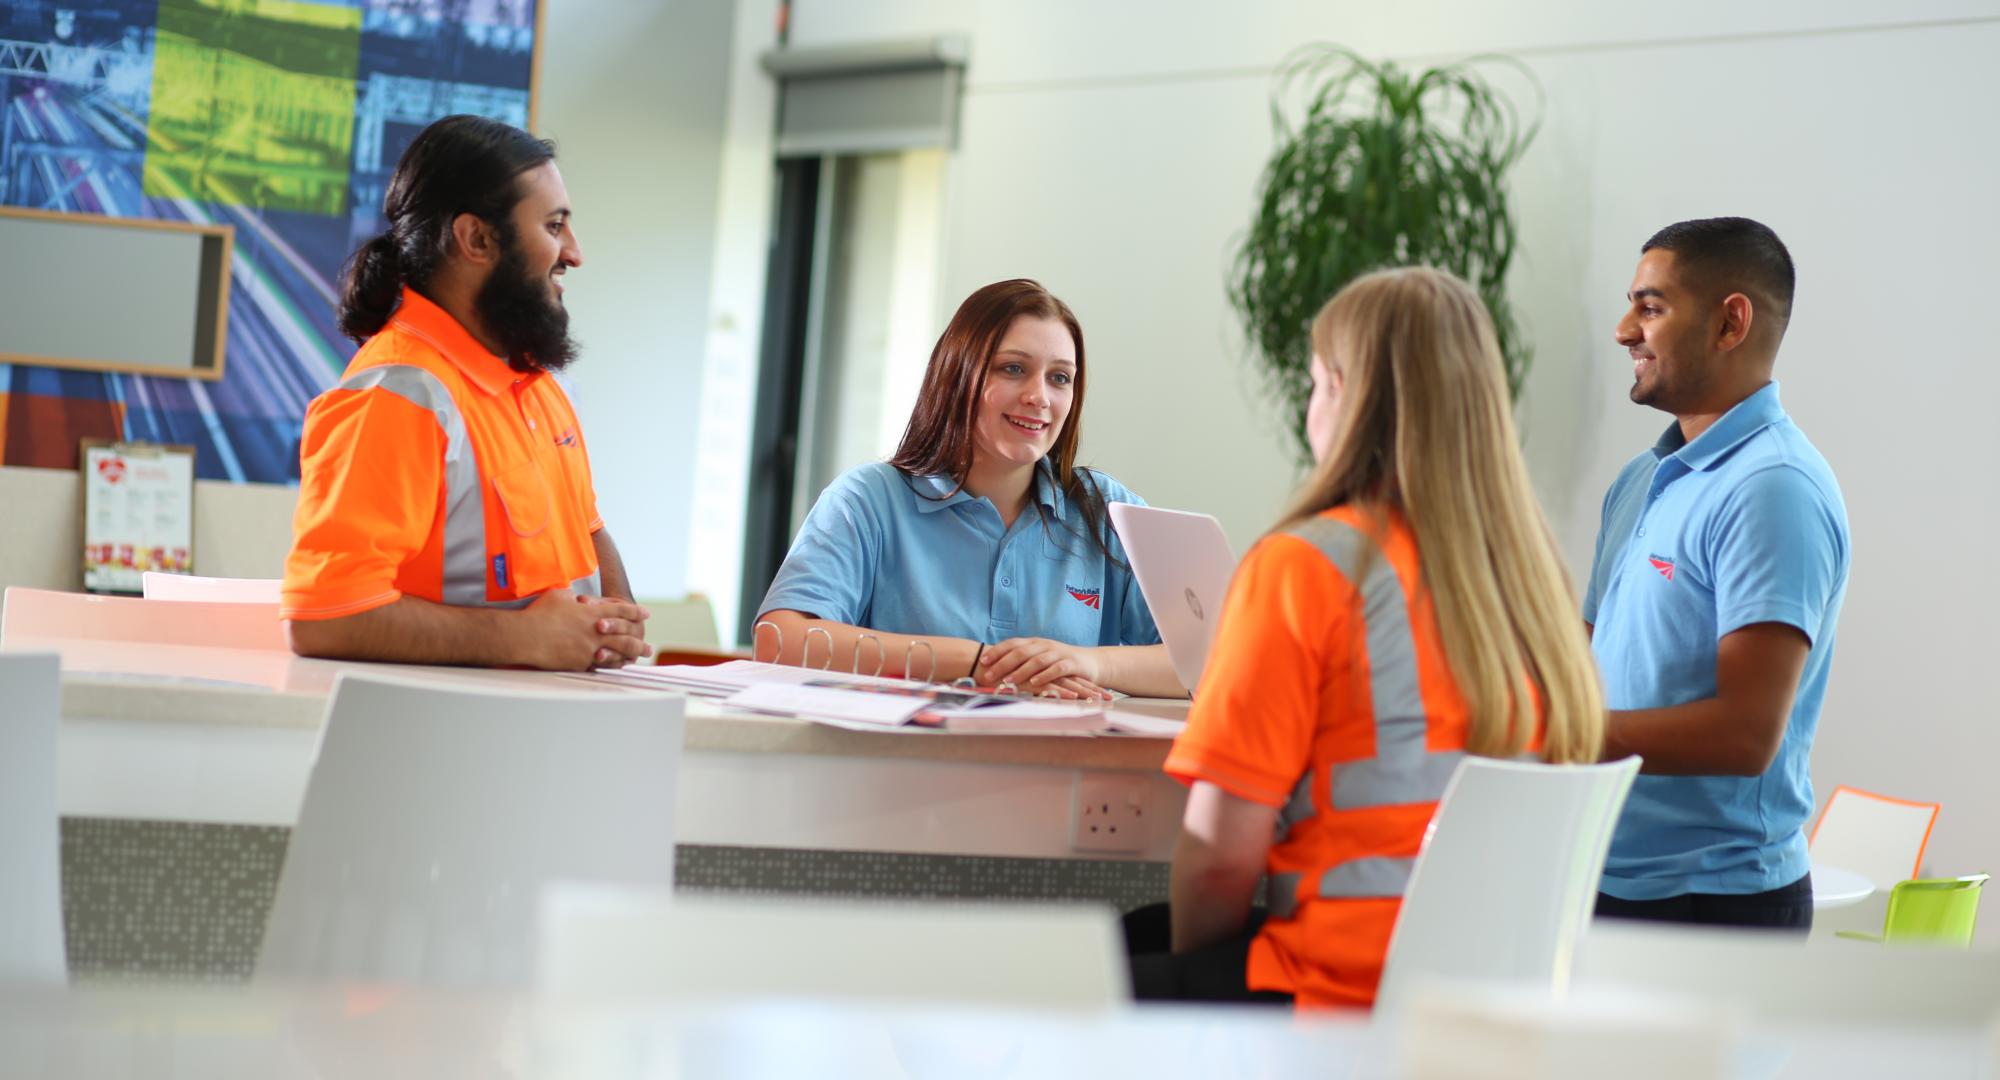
[(1414, 775), (1374, 877), (1403, 769), (464, 570)]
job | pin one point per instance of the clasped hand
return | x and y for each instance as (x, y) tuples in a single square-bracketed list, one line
[(1035, 665), (576, 632)]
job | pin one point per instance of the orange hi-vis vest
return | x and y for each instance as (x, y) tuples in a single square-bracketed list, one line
[(1327, 696), (435, 470)]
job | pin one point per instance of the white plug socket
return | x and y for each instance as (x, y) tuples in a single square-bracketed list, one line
[(1109, 813)]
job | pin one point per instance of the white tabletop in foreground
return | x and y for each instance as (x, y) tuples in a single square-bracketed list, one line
[(1836, 887), (381, 1033)]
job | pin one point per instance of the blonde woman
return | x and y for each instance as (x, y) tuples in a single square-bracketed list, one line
[(1408, 610)]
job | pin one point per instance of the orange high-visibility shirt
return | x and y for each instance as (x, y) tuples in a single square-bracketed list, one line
[(437, 471), (1327, 695)]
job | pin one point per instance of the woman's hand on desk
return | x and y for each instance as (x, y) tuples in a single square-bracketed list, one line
[(1037, 664)]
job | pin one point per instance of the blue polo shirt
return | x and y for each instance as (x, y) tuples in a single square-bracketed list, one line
[(1743, 525), (907, 555)]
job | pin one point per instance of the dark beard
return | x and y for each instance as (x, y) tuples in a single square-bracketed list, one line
[(515, 310)]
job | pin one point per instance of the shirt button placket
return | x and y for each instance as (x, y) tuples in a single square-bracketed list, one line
[(1006, 604)]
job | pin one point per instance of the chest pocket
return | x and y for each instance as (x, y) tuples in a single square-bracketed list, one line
[(1072, 610), (526, 510)]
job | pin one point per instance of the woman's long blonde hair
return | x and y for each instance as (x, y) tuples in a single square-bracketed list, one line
[(1425, 427)]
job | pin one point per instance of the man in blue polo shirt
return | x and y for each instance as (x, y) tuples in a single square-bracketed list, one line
[(1721, 562)]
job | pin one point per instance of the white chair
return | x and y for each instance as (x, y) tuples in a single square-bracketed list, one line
[(686, 622), (435, 815), (37, 615), (1877, 836), (31, 922), (1507, 878), (215, 590), (624, 944)]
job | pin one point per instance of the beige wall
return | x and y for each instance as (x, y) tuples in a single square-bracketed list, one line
[(240, 530)]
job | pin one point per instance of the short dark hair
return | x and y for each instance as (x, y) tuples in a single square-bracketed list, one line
[(458, 165), (1733, 254)]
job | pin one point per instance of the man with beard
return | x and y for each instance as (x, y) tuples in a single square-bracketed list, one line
[(446, 514), (1721, 562)]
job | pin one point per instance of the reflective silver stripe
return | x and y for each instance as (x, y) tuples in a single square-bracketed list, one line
[(590, 586), (1281, 894), (1369, 878), (1402, 770), (1296, 809), (1416, 776), (464, 575)]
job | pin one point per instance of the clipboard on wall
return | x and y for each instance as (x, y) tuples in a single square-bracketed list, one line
[(138, 512)]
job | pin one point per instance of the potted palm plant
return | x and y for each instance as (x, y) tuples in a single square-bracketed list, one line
[(1383, 167)]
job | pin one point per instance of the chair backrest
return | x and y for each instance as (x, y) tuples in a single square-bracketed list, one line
[(218, 590), (434, 816), (31, 924), (1933, 911), (44, 613), (599, 943), (1507, 877), (681, 622), (1877, 836)]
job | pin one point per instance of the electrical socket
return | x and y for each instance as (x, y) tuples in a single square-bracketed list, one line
[(1109, 813)]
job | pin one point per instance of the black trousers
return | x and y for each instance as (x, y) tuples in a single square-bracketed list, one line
[(1788, 907), (1215, 973)]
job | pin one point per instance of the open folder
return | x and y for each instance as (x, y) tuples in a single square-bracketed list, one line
[(947, 710), (875, 703)]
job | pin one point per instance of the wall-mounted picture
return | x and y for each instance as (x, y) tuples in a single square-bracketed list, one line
[(280, 118)]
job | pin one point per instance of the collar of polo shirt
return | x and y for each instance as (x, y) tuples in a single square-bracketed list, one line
[(1749, 416), (935, 492), (423, 319)]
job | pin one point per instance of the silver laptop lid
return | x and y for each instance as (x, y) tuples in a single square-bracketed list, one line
[(1183, 564)]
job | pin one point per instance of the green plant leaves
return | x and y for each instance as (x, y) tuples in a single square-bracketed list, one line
[(1377, 167)]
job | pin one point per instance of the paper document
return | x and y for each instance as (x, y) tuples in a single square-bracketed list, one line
[(868, 702), (1018, 717), (1144, 726), (721, 680), (818, 701)]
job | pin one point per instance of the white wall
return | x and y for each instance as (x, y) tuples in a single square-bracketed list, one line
[(634, 95), (1113, 151), (728, 390)]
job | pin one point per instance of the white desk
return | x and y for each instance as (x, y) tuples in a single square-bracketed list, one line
[(1838, 887), (198, 734)]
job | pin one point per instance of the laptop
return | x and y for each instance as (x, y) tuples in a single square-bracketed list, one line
[(1183, 564)]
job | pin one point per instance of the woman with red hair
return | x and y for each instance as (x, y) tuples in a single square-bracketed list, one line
[(981, 538)]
